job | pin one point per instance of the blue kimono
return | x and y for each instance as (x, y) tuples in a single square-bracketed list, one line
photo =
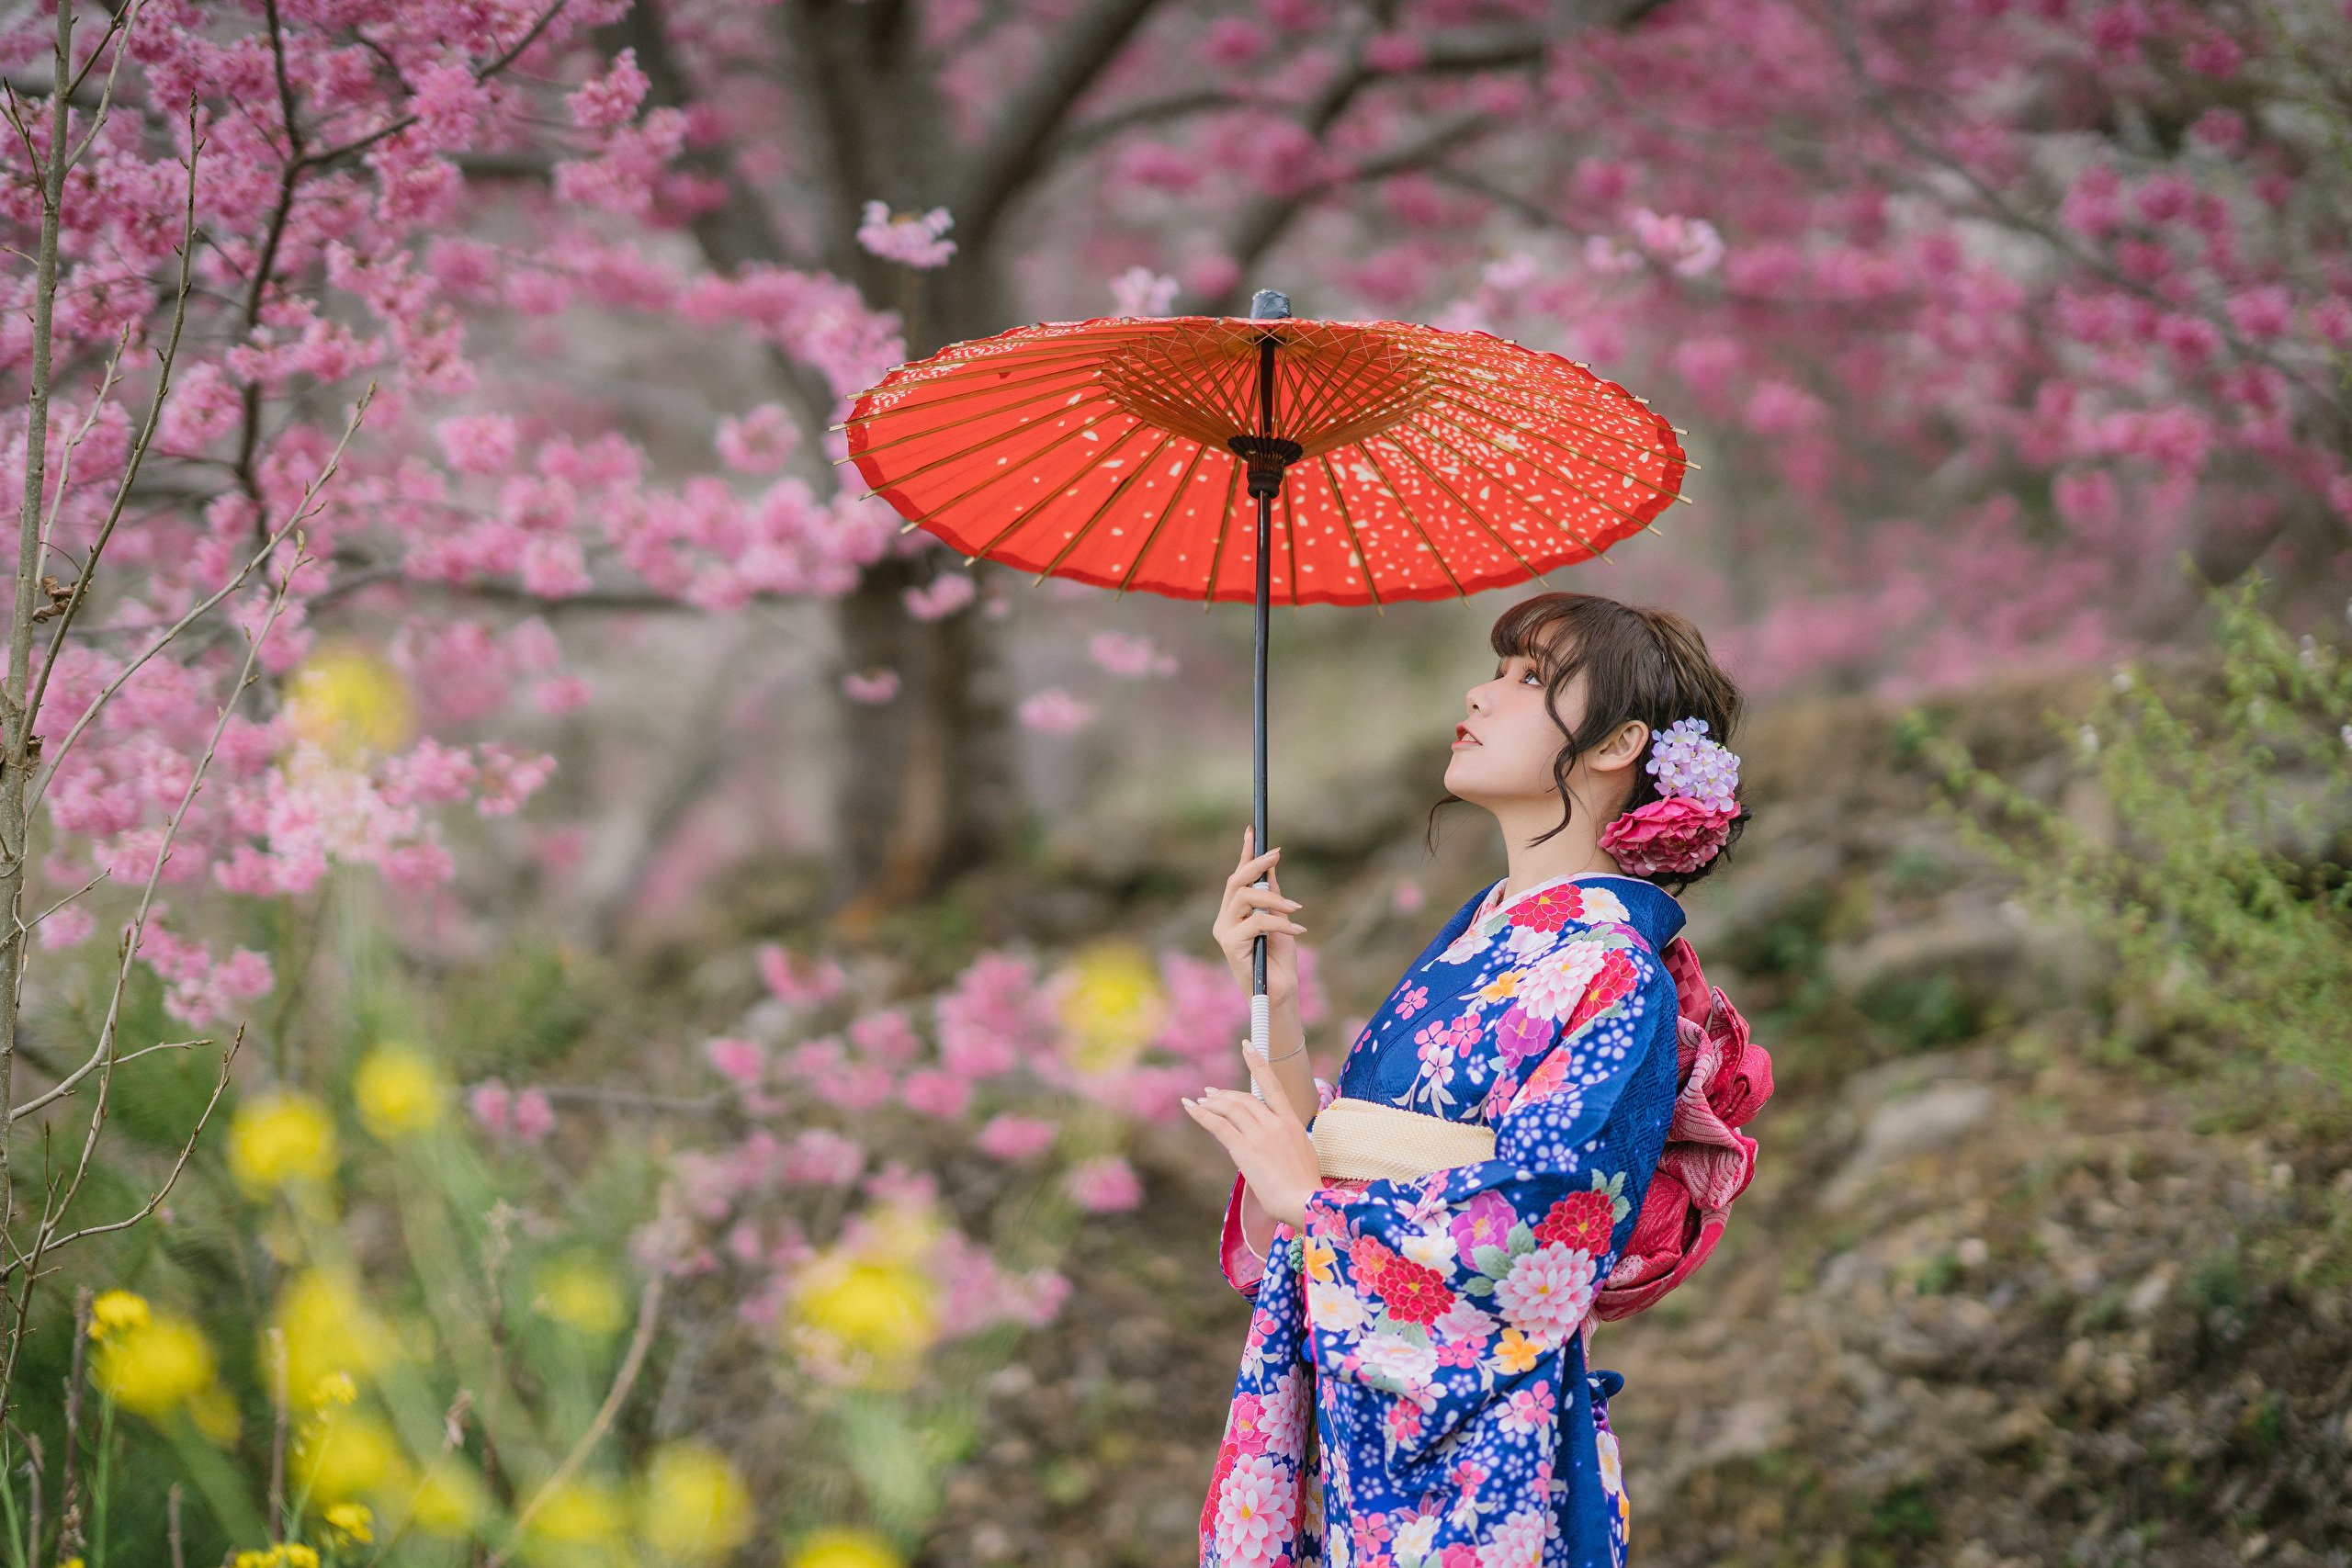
[(1414, 1393)]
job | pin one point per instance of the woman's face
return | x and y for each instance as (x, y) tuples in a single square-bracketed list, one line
[(1506, 743)]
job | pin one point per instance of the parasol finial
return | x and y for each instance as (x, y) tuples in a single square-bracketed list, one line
[(1269, 305)]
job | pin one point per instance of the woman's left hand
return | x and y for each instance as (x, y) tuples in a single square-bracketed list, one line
[(1268, 1143)]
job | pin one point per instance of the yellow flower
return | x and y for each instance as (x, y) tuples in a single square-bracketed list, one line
[(448, 1501), (398, 1090), (1318, 1255), (214, 1411), (1111, 1005), (578, 1291), (879, 1310), (345, 701), (846, 1549), (335, 1388), (280, 1138), (117, 1309), (1504, 985), (353, 1520), (346, 1455), (1514, 1354), (580, 1513), (332, 1339), (293, 1554), (695, 1507), (297, 1555), (157, 1367)]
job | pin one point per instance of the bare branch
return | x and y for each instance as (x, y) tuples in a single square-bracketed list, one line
[(1078, 138), (101, 1057), (219, 1088), (1013, 152), (166, 358), (649, 1315), (302, 513)]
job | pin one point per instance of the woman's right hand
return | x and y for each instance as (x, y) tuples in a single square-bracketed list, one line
[(1248, 912)]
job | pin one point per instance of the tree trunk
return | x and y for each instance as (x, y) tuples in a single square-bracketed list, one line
[(925, 789)]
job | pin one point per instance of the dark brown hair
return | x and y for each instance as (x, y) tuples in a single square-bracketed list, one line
[(1644, 665)]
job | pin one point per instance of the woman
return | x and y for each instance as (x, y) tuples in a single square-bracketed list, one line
[(1426, 1262)]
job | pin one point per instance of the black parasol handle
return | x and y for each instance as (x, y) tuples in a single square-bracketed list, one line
[(1267, 455)]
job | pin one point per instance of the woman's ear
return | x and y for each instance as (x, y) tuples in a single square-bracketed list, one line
[(1622, 749)]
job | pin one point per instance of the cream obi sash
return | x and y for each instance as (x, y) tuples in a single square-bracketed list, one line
[(1356, 1140)]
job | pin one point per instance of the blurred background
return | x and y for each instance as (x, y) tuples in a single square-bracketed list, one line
[(580, 997)]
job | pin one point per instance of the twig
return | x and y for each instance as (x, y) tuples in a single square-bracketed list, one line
[(452, 1433), (219, 1087), (649, 1313), (172, 1524), (279, 1405), (54, 1209), (302, 513), (69, 1519), (33, 1520), (699, 1105), (171, 833), (37, 920)]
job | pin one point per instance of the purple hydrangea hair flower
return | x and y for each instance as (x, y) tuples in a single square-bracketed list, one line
[(1685, 763)]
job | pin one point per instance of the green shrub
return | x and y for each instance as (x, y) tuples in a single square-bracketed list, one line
[(2219, 879)]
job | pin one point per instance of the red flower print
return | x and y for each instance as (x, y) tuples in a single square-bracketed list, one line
[(1413, 1295), (1371, 1532), (1583, 1220), (1549, 909), (1413, 1001), (1460, 1554), (1369, 1256), (1614, 982)]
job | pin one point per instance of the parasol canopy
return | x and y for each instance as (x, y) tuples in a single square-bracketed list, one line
[(1382, 460), (1428, 464)]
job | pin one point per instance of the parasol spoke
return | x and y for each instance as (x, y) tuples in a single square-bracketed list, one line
[(1410, 516), (1109, 501), (1166, 512), (1469, 510), (1364, 557), (1575, 485), (1597, 462), (1007, 472), (1224, 517), (1059, 381)]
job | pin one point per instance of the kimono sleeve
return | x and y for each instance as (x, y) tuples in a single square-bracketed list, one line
[(1457, 1290)]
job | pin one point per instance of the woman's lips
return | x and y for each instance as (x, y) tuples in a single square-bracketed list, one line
[(1461, 737)]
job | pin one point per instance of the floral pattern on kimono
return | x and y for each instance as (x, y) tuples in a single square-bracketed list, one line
[(1413, 1393)]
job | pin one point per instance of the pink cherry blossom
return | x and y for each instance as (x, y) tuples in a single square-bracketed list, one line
[(1055, 712), (1104, 1185), (1009, 1137)]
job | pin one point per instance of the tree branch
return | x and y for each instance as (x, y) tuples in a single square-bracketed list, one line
[(1015, 149)]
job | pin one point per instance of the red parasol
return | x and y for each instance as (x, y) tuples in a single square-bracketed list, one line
[(1386, 461)]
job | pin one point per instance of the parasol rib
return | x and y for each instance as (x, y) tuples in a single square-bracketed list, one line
[(1290, 544), (1008, 472), (1410, 516), (1364, 557), (1224, 519), (927, 404), (978, 447), (1060, 395), (1597, 462), (1469, 510), (1578, 486), (1109, 501), (1165, 514), (1535, 504)]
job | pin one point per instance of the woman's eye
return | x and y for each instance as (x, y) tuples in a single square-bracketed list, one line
[(1532, 678)]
